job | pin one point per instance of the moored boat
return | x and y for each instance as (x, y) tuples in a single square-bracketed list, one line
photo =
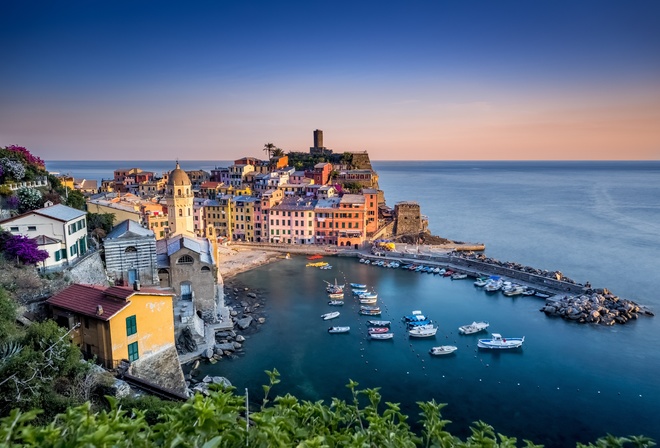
[(474, 327), (336, 302), (423, 331), (336, 295), (358, 285), (315, 257), (499, 343), (481, 282), (379, 323), (381, 336), (513, 290), (370, 308), (378, 330), (458, 276), (339, 329), (328, 316), (443, 350), (370, 312), (368, 301)]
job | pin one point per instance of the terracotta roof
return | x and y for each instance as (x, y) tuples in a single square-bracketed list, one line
[(85, 299)]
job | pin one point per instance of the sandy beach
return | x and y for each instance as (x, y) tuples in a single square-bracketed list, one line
[(234, 260)]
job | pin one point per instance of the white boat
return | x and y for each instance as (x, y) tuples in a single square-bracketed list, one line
[(379, 323), (423, 331), (339, 329), (481, 282), (443, 350), (368, 301), (357, 292), (493, 285), (328, 316), (458, 276), (381, 336), (370, 308), (368, 295), (336, 302), (414, 317), (513, 290), (499, 343), (474, 327), (367, 261), (361, 260), (358, 286), (336, 295)]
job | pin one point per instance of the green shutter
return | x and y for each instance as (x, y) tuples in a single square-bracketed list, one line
[(133, 353), (131, 325)]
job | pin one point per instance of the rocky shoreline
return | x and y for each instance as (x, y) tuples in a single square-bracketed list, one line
[(246, 307)]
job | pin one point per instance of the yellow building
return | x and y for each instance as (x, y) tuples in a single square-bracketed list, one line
[(244, 218), (116, 323), (218, 217)]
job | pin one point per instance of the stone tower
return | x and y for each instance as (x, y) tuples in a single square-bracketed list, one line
[(179, 199)]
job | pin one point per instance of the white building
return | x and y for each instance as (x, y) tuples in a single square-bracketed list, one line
[(60, 230)]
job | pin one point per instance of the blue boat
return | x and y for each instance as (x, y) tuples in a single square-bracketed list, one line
[(358, 286)]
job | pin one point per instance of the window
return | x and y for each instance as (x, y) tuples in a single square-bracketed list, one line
[(130, 249), (14, 229), (133, 354), (185, 259), (32, 228), (131, 325)]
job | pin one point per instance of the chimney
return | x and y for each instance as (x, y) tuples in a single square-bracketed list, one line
[(99, 310), (136, 286)]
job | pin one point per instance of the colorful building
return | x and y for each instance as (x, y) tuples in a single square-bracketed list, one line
[(292, 221), (115, 323)]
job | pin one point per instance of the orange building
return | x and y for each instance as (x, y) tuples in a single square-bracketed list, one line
[(351, 220)]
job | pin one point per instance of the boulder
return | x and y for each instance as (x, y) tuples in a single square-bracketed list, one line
[(121, 389), (207, 353), (220, 348), (244, 322), (221, 380), (237, 345), (261, 320), (251, 294), (240, 338)]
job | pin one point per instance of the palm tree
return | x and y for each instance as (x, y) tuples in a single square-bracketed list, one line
[(278, 152), (268, 149)]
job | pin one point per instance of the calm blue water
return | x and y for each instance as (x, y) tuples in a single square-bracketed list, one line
[(595, 221)]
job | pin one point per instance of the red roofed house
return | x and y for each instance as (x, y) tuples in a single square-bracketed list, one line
[(116, 323)]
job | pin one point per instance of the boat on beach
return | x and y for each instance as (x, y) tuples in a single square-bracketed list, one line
[(339, 329), (328, 316), (497, 342), (443, 350), (474, 327), (315, 257)]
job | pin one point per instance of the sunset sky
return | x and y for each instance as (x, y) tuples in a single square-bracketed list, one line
[(405, 80)]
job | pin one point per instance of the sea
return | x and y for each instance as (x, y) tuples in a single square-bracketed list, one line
[(594, 221)]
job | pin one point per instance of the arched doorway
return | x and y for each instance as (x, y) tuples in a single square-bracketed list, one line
[(164, 278)]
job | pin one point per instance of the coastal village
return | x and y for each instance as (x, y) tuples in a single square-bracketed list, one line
[(150, 294)]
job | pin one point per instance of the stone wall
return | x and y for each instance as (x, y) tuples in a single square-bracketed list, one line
[(162, 368), (89, 270)]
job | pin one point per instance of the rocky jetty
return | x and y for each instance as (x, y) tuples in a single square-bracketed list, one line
[(556, 275), (597, 306)]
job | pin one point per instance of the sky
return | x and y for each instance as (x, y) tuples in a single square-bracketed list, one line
[(403, 80)]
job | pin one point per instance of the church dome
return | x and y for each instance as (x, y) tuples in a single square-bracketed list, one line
[(178, 177)]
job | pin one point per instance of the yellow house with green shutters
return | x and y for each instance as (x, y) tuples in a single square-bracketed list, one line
[(116, 323)]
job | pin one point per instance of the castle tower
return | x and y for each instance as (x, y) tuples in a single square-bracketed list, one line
[(318, 138), (179, 200)]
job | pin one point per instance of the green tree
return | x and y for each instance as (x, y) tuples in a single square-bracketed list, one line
[(75, 199)]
